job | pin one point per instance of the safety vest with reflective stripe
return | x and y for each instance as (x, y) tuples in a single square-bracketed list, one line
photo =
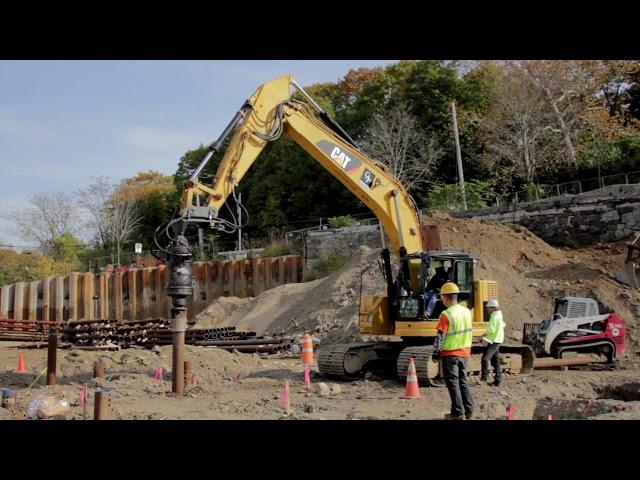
[(460, 331)]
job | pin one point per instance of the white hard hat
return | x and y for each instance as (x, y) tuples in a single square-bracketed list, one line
[(493, 303)]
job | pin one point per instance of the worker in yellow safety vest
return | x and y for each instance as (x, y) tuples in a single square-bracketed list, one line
[(494, 337), (453, 346)]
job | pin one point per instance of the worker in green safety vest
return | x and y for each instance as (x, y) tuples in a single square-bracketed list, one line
[(453, 346), (494, 337)]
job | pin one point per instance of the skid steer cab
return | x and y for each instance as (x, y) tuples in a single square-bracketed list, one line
[(577, 326)]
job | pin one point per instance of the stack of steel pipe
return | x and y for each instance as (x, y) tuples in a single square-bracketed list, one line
[(24, 330), (192, 336), (99, 332), (268, 345)]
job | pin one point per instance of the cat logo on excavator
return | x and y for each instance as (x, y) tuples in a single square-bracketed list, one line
[(345, 159)]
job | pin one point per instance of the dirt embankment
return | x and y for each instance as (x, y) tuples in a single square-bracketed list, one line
[(327, 306), (529, 273)]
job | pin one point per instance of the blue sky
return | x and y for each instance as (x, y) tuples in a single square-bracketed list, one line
[(63, 122)]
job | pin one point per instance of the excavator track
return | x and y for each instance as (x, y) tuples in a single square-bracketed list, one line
[(352, 360), (515, 359), (427, 370)]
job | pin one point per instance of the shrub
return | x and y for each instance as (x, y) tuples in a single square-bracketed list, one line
[(343, 221), (326, 265)]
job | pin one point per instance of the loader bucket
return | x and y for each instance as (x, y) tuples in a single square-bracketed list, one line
[(526, 356), (627, 274), (516, 359)]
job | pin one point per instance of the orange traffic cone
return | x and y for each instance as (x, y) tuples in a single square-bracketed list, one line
[(413, 389), (21, 365), (307, 350)]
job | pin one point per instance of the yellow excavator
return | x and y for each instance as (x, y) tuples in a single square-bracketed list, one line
[(407, 311)]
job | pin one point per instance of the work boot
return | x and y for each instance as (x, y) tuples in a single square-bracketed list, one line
[(468, 416), (448, 416), (495, 383)]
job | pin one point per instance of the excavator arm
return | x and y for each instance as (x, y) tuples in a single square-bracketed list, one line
[(271, 111)]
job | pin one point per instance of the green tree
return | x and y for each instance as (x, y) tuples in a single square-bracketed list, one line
[(449, 197), (153, 193), (68, 249), (29, 266)]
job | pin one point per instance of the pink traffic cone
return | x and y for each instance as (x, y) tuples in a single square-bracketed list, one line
[(84, 394), (510, 411), (285, 395)]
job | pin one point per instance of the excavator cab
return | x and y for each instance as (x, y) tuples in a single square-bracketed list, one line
[(411, 312), (439, 268)]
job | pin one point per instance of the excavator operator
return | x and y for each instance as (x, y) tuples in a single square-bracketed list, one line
[(433, 306), (439, 278)]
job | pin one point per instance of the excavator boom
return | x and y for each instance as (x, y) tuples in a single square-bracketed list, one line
[(271, 111)]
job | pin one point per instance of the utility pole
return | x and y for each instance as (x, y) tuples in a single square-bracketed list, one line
[(458, 154), (239, 210)]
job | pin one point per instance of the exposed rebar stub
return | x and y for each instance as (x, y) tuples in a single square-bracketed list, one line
[(179, 288), (102, 405), (52, 358), (98, 369)]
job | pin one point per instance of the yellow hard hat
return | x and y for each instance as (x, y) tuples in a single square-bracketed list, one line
[(438, 264), (449, 288)]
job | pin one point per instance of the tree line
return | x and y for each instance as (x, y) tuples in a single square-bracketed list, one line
[(522, 124)]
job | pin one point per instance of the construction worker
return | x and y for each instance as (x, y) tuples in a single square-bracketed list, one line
[(433, 308), (453, 346), (439, 278), (494, 337)]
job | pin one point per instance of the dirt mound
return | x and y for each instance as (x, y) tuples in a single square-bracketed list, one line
[(212, 365), (529, 273), (327, 306), (221, 311), (511, 244), (505, 253)]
